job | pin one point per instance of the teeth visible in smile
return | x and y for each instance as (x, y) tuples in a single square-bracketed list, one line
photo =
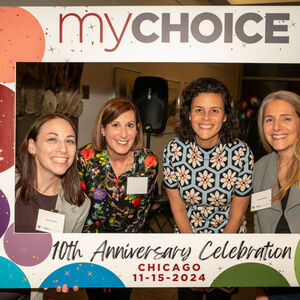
[(59, 159), (206, 126), (123, 142), (279, 136)]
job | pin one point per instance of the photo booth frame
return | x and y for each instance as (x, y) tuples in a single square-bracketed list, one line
[(241, 34)]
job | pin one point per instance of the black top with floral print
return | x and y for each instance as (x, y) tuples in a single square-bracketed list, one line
[(112, 209), (207, 179)]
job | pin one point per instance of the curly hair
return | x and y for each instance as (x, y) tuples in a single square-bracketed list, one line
[(184, 130)]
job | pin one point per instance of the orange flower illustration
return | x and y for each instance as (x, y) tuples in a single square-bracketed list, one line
[(150, 161)]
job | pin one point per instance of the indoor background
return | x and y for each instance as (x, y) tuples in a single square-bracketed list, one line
[(248, 84)]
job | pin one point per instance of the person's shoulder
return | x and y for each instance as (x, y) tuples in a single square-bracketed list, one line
[(87, 203), (147, 157), (87, 146), (241, 147), (88, 152), (240, 143), (263, 169), (176, 142), (271, 157), (146, 152), (62, 204)]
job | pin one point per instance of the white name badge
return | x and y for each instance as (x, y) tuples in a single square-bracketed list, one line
[(49, 221), (137, 185), (261, 200)]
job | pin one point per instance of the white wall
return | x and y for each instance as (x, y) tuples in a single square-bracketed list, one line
[(99, 77)]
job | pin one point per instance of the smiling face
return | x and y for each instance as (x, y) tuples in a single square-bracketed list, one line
[(281, 126), (120, 134), (207, 117), (54, 148)]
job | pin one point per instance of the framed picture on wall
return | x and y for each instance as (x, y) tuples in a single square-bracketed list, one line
[(123, 81), (173, 105)]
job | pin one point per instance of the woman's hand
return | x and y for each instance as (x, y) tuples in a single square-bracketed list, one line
[(179, 211), (237, 213), (65, 289)]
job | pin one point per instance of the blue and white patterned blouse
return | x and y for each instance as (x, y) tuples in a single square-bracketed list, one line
[(207, 179)]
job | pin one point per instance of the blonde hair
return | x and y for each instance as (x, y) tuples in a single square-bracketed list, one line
[(111, 110), (293, 174)]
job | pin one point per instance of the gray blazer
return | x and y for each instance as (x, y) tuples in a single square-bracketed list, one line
[(264, 178), (75, 216)]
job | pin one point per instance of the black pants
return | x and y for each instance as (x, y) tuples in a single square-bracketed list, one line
[(115, 294), (14, 294), (216, 294), (283, 293)]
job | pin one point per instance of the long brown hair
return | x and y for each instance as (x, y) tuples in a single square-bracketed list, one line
[(111, 110), (27, 170), (293, 174)]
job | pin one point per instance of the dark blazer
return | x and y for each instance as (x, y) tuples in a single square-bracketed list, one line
[(264, 178)]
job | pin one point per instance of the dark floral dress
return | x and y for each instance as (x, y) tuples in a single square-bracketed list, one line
[(112, 209)]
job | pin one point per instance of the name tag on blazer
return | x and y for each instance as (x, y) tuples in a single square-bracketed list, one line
[(261, 200), (137, 185), (49, 221)]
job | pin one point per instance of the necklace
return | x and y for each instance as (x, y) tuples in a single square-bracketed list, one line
[(121, 166)]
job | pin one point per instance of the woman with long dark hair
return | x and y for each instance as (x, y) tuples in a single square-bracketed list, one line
[(47, 179), (47, 175)]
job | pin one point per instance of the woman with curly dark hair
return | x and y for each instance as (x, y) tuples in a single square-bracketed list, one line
[(207, 170)]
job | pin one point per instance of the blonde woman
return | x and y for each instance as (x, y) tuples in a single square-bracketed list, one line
[(279, 172)]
